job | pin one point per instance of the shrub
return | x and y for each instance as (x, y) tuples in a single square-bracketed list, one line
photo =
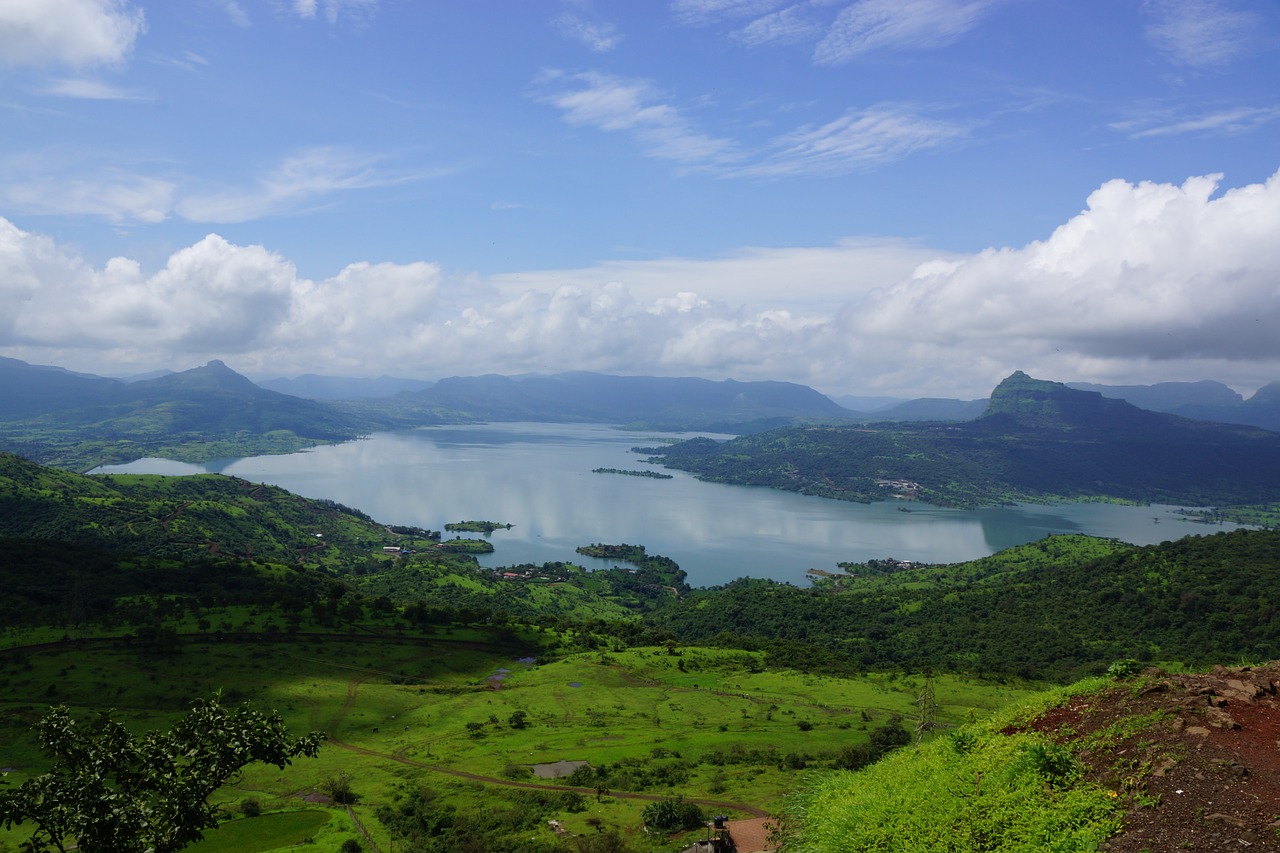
[(249, 807), (673, 815)]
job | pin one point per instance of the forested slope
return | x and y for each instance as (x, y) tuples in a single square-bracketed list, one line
[(1057, 609), (1037, 440)]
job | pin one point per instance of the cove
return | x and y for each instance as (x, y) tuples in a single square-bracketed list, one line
[(538, 477)]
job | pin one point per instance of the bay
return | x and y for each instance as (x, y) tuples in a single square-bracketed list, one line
[(538, 478)]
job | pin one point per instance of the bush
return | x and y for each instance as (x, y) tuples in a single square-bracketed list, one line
[(351, 845), (250, 807), (673, 815), (338, 788)]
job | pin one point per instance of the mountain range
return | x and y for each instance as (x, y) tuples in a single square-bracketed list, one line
[(1036, 440)]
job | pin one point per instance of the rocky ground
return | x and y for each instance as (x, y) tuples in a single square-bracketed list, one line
[(1196, 758)]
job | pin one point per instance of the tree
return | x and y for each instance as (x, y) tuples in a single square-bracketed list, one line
[(111, 791)]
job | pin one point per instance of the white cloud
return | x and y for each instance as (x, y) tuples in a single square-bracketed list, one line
[(68, 183), (1200, 33), (70, 32), (701, 12), (870, 25), (299, 180), (333, 10), (236, 13), (1149, 282), (856, 140), (612, 103), (91, 90), (598, 37), (1231, 121), (857, 28), (786, 26), (115, 196)]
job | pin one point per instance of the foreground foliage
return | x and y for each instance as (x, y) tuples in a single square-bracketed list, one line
[(112, 792), (978, 791)]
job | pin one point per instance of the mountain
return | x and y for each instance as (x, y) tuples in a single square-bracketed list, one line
[(861, 405), (316, 387), (1168, 397), (1206, 400), (1036, 440), (658, 402), (932, 409), (81, 421), (32, 389), (215, 400)]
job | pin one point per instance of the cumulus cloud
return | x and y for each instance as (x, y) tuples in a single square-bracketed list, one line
[(1149, 282), (68, 32)]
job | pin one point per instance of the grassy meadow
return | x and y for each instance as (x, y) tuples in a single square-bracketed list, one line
[(464, 713)]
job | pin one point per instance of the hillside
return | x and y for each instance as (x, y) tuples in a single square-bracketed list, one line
[(78, 422), (1160, 761), (1060, 608), (175, 516), (1037, 440)]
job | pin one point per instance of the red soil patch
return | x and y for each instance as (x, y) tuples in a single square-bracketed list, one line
[(1201, 773)]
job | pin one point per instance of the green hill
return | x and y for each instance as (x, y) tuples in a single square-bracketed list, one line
[(1058, 608), (78, 422), (1037, 440)]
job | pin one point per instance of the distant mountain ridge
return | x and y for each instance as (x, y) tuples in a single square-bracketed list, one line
[(316, 387), (1206, 400), (658, 402), (1037, 439)]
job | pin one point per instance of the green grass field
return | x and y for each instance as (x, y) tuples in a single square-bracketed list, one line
[(709, 724)]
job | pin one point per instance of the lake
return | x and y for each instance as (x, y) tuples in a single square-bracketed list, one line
[(538, 477)]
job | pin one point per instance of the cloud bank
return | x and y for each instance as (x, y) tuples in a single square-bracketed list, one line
[(1149, 282), (68, 32)]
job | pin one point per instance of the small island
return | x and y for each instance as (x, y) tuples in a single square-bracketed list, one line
[(653, 475), (485, 527), (467, 546)]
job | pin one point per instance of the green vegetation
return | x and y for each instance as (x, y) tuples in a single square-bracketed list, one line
[(441, 685), (982, 789), (485, 527), (79, 422), (111, 791), (1060, 608), (653, 475), (1038, 441), (467, 546)]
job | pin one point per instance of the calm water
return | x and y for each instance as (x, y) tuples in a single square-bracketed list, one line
[(538, 478)]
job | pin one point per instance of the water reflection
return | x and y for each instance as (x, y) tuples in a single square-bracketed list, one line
[(539, 478)]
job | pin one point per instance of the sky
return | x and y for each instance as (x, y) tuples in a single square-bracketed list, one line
[(871, 197)]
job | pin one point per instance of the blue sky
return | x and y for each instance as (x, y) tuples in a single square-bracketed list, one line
[(911, 197)]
